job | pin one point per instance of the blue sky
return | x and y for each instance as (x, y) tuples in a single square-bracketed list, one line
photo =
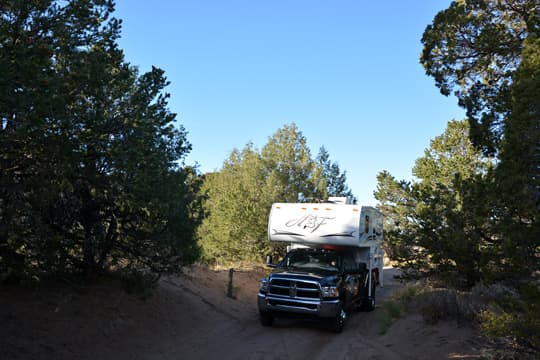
[(346, 72)]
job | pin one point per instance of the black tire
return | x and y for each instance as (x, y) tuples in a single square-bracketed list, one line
[(266, 319), (338, 322)]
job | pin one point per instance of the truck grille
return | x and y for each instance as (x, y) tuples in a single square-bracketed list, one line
[(294, 288)]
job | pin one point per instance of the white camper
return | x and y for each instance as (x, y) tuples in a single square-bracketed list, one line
[(332, 224), (333, 264)]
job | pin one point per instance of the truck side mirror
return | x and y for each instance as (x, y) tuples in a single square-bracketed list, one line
[(269, 261)]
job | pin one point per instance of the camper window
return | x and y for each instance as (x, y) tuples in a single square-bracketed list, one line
[(320, 260)]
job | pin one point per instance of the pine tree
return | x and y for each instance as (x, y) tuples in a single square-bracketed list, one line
[(240, 195), (435, 223), (518, 174), (91, 165)]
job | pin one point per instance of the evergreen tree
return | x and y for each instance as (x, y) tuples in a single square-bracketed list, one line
[(473, 49), (91, 171), (484, 51), (518, 174), (288, 166), (241, 193), (238, 206), (334, 181), (435, 222)]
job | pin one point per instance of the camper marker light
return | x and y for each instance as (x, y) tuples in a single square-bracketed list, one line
[(330, 291)]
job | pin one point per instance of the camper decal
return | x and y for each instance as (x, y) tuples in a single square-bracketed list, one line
[(309, 222), (344, 234), (278, 232)]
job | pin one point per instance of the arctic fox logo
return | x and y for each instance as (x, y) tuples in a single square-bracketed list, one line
[(309, 222)]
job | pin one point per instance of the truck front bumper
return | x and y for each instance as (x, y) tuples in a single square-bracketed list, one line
[(314, 307)]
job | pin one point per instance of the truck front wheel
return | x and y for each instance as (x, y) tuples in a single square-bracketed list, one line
[(338, 322)]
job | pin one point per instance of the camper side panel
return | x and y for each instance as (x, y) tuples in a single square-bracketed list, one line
[(371, 225), (315, 224)]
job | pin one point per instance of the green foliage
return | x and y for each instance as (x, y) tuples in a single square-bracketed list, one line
[(471, 217), (242, 192), (387, 314), (139, 283), (409, 292), (288, 166), (518, 174), (333, 181), (509, 316), (436, 223), (517, 318), (487, 53), (237, 205), (399, 304), (91, 161), (473, 49), (495, 324)]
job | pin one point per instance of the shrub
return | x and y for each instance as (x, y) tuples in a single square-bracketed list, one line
[(516, 318), (389, 312), (137, 282)]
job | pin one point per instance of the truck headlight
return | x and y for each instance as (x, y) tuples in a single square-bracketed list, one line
[(330, 291), (263, 288)]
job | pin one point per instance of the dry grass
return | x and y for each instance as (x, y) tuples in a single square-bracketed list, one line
[(397, 305), (500, 312), (438, 303)]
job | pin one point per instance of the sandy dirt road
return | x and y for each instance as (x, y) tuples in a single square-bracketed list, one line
[(191, 318)]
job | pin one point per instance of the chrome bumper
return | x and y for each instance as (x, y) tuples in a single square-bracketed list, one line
[(315, 307)]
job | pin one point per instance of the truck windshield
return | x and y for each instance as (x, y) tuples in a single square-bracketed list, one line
[(309, 260)]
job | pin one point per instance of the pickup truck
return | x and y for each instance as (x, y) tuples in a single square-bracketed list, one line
[(317, 283), (333, 263)]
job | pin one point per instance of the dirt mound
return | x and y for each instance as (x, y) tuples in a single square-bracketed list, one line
[(192, 318)]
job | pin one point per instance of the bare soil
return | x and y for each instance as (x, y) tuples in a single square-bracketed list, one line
[(191, 317)]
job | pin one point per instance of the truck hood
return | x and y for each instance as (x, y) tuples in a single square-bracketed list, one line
[(322, 276)]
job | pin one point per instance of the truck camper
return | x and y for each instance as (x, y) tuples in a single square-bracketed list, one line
[(334, 261)]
